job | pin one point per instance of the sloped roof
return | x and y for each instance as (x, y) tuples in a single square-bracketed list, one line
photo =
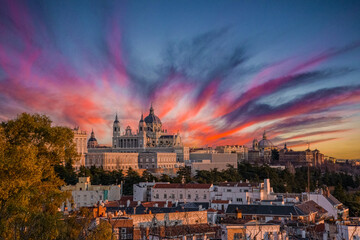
[(311, 206), (265, 210), (333, 200)]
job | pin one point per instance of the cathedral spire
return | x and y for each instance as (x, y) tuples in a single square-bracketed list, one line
[(151, 109), (264, 135), (116, 118), (92, 133)]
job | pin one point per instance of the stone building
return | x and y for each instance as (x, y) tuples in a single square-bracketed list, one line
[(261, 151), (81, 147), (92, 142), (208, 161), (149, 135), (240, 150), (151, 160), (112, 160), (301, 158)]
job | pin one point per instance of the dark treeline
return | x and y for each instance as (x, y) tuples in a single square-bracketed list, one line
[(281, 180)]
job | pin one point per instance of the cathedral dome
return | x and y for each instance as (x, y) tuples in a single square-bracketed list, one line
[(92, 142), (264, 143), (152, 118)]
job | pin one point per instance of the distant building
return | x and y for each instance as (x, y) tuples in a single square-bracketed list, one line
[(301, 158), (81, 147), (261, 151), (92, 142), (208, 161), (240, 150), (112, 160), (151, 160), (181, 192), (86, 195), (149, 139)]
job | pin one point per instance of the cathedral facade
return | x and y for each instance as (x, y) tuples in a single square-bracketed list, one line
[(154, 146), (149, 135)]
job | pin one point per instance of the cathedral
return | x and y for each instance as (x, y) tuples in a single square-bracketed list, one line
[(149, 147), (149, 135), (261, 151)]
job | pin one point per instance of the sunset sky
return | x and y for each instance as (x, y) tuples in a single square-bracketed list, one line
[(221, 72)]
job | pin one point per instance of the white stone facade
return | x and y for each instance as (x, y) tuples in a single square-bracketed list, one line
[(181, 192), (142, 190), (243, 192)]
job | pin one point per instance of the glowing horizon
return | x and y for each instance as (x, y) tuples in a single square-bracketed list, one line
[(289, 70)]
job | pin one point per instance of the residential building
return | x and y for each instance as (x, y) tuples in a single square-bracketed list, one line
[(266, 213), (333, 206), (86, 195), (142, 190), (181, 192), (243, 192), (348, 231)]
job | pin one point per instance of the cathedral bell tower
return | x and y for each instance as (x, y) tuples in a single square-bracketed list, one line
[(142, 132), (116, 131)]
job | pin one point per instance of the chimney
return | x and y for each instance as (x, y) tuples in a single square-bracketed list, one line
[(267, 186)]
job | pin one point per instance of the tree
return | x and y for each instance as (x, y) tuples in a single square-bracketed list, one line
[(30, 192), (131, 178), (274, 155)]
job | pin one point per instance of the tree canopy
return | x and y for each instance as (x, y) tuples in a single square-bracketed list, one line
[(30, 192)]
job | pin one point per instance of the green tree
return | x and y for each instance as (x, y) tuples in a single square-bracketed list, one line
[(29, 188)]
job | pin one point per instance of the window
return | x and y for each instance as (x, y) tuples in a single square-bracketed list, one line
[(181, 196), (189, 196), (204, 196), (246, 190), (237, 236), (239, 199), (173, 196), (228, 190), (165, 195), (157, 195)]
